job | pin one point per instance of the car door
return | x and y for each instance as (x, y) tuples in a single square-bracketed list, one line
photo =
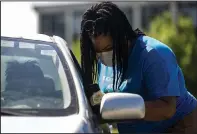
[(92, 119)]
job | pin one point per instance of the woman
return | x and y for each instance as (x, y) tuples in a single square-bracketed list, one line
[(124, 60)]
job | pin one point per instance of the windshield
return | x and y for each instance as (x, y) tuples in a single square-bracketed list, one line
[(35, 78)]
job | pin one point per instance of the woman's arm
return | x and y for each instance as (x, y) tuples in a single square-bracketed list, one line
[(161, 109)]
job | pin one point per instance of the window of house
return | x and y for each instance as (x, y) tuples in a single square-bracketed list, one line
[(150, 11), (52, 24), (77, 23)]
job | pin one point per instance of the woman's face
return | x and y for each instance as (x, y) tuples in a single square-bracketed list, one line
[(104, 49), (102, 43)]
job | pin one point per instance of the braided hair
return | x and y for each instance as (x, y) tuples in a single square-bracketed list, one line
[(105, 19)]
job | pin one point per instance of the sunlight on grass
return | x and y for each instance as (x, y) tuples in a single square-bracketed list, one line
[(114, 130), (76, 50)]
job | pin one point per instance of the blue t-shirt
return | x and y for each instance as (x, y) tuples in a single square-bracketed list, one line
[(152, 72)]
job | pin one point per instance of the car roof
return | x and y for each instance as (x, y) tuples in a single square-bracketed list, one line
[(39, 37)]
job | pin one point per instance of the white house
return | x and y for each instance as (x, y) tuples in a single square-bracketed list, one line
[(63, 18)]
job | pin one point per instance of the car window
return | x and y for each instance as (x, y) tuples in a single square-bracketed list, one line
[(34, 75)]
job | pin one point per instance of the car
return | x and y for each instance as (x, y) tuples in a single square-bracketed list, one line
[(43, 90)]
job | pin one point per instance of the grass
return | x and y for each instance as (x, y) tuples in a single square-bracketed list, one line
[(76, 50), (114, 130)]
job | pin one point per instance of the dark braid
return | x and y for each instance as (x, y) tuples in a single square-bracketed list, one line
[(105, 18)]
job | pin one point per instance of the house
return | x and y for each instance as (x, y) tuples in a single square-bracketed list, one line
[(63, 18)]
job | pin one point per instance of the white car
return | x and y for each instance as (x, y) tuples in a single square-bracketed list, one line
[(42, 90)]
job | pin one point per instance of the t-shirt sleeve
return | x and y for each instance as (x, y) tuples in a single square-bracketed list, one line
[(161, 75)]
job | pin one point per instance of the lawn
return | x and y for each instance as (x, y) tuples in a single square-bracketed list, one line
[(114, 130)]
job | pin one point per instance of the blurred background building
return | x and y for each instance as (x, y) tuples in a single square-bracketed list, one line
[(63, 18)]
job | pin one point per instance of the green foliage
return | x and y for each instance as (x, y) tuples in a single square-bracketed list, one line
[(76, 50), (182, 40)]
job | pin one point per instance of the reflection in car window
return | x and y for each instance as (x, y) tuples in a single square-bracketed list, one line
[(33, 76)]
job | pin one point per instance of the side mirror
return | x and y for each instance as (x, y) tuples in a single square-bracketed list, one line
[(122, 106)]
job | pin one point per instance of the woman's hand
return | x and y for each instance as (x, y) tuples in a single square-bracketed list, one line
[(96, 98)]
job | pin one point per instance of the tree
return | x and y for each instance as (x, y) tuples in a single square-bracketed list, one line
[(183, 43)]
